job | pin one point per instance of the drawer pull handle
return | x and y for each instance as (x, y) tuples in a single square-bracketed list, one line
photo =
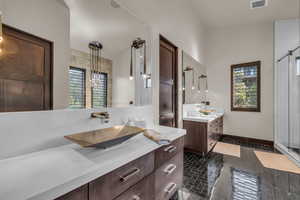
[(136, 197), (170, 149), (170, 169), (127, 176), (170, 188)]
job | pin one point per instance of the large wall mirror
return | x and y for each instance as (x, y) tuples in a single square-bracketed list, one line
[(121, 66), (195, 86), (108, 67)]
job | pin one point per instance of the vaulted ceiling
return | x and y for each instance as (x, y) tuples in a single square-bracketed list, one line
[(224, 13)]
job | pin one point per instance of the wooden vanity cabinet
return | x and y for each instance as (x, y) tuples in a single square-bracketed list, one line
[(77, 194), (155, 176), (201, 137)]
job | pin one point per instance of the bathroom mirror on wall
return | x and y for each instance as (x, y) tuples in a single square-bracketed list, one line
[(194, 79), (108, 67), (121, 74), (195, 85)]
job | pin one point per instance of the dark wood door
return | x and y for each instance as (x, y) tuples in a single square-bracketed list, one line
[(25, 72), (167, 87)]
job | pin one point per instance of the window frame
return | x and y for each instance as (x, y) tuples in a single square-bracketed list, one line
[(257, 64), (92, 93), (84, 85)]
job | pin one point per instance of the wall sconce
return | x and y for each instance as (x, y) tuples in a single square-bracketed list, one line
[(138, 44), (206, 84), (187, 69)]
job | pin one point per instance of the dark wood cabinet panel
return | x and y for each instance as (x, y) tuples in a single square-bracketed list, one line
[(167, 84), (78, 194), (202, 137), (143, 190), (113, 184), (25, 72), (166, 152), (195, 136), (159, 176), (168, 177)]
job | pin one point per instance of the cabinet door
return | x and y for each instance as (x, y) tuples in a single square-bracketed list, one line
[(195, 138), (78, 194)]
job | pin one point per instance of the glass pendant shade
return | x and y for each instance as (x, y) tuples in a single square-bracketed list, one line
[(95, 63), (298, 66)]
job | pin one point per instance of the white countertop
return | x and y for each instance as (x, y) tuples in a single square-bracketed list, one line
[(51, 173), (201, 117)]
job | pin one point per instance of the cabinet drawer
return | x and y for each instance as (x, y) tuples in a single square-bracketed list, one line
[(167, 152), (169, 177), (143, 190), (116, 182)]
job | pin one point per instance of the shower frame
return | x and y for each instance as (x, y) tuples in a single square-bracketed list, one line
[(285, 149)]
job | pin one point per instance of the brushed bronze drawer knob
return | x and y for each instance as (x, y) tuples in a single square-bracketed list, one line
[(170, 188), (135, 171), (170, 149), (170, 169)]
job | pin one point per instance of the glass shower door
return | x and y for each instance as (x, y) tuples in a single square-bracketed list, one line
[(294, 105)]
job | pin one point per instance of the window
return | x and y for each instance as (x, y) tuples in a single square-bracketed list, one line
[(99, 92), (245, 87), (77, 87)]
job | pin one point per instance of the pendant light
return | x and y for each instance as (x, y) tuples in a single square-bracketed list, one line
[(298, 65), (95, 63), (137, 45)]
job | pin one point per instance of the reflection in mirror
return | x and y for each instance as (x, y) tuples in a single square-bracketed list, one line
[(121, 66), (195, 85)]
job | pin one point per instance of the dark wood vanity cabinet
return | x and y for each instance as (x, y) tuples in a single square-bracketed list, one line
[(78, 194), (155, 176), (201, 137)]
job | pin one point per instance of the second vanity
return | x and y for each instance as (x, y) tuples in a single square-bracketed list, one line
[(203, 131), (134, 170)]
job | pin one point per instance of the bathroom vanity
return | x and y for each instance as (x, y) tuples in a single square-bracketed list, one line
[(203, 130), (156, 175), (135, 169)]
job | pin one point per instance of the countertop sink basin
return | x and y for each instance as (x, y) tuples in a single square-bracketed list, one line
[(104, 138)]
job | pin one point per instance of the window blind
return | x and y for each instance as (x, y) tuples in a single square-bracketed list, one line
[(99, 92), (77, 87), (245, 87)]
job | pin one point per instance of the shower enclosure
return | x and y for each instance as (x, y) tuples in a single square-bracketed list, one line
[(287, 88)]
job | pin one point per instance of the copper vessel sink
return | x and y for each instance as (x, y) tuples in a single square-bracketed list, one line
[(104, 138)]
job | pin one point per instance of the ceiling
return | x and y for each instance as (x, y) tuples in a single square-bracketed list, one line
[(226, 13), (97, 20)]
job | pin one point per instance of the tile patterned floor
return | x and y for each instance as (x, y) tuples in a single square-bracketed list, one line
[(222, 177)]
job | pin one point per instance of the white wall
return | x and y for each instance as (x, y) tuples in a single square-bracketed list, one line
[(46, 129), (49, 20), (123, 88), (235, 45), (175, 20)]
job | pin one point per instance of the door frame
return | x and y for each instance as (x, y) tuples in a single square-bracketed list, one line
[(51, 43), (164, 39)]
